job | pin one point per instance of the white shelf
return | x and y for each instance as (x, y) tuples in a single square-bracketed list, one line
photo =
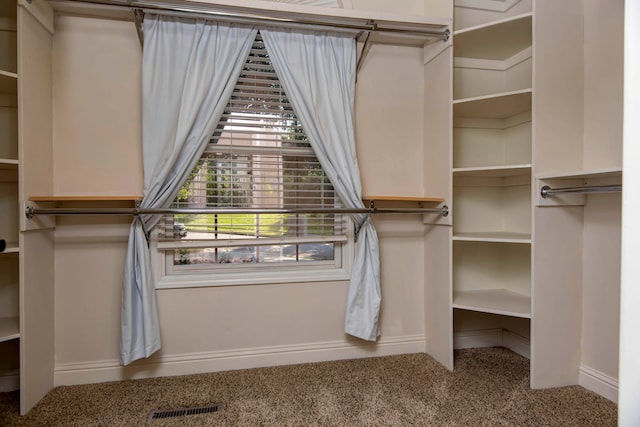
[(584, 174), (497, 237), (495, 106), (494, 171), (8, 163), (8, 82), (494, 301), (497, 40), (12, 248), (9, 328)]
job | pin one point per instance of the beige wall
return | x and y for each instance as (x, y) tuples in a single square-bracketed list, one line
[(97, 126), (603, 63), (97, 151), (603, 77)]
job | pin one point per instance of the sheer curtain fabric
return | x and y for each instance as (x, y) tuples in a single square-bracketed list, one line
[(189, 69), (318, 71)]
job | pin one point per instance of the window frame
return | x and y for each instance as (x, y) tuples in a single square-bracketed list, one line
[(254, 274), (200, 275)]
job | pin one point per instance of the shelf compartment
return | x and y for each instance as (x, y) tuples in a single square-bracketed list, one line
[(498, 40), (403, 199), (9, 294), (9, 328), (492, 144), (496, 106), (8, 82), (9, 205), (473, 13), (494, 301), (492, 277), (492, 204)]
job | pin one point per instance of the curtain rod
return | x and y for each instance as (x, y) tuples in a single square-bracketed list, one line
[(547, 191), (30, 211), (275, 17)]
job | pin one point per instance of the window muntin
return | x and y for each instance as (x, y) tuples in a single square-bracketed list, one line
[(258, 158)]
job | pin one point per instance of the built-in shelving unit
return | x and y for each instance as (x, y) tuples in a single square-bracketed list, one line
[(9, 168), (492, 160), (26, 265)]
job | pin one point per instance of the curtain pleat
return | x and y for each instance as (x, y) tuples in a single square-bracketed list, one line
[(317, 71), (189, 69)]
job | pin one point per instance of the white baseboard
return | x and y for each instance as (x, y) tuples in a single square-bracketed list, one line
[(492, 338), (9, 382), (195, 363), (598, 382)]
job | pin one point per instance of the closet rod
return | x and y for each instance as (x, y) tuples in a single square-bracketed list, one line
[(229, 12), (30, 211), (547, 191)]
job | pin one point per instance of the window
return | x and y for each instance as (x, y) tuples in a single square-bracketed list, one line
[(258, 158)]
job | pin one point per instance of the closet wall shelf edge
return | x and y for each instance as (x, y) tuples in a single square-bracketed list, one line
[(583, 174), (494, 301), (493, 171), (497, 237), (494, 106), (85, 198), (11, 248), (9, 328)]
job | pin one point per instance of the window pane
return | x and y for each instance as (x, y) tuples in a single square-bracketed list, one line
[(258, 158), (255, 254)]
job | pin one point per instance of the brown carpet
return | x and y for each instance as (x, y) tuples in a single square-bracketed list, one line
[(489, 387)]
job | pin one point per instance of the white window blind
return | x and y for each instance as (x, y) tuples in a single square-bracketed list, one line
[(258, 158)]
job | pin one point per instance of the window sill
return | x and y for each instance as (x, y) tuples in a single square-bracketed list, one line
[(275, 276)]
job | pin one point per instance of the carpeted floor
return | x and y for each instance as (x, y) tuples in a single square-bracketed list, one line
[(489, 387)]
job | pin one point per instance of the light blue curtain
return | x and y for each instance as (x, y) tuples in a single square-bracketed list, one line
[(189, 69), (317, 71)]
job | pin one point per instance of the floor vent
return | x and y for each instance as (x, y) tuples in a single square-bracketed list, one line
[(180, 412)]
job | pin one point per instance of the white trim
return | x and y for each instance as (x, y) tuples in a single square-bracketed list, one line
[(516, 343), (492, 338), (477, 339), (257, 277), (225, 360), (598, 382), (10, 382)]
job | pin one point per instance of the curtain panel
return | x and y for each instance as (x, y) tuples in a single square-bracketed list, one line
[(189, 69), (318, 73)]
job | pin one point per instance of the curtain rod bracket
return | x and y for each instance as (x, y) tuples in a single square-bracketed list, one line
[(365, 48), (29, 212), (138, 15)]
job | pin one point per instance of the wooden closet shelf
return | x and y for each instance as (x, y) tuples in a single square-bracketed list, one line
[(85, 198), (403, 199)]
